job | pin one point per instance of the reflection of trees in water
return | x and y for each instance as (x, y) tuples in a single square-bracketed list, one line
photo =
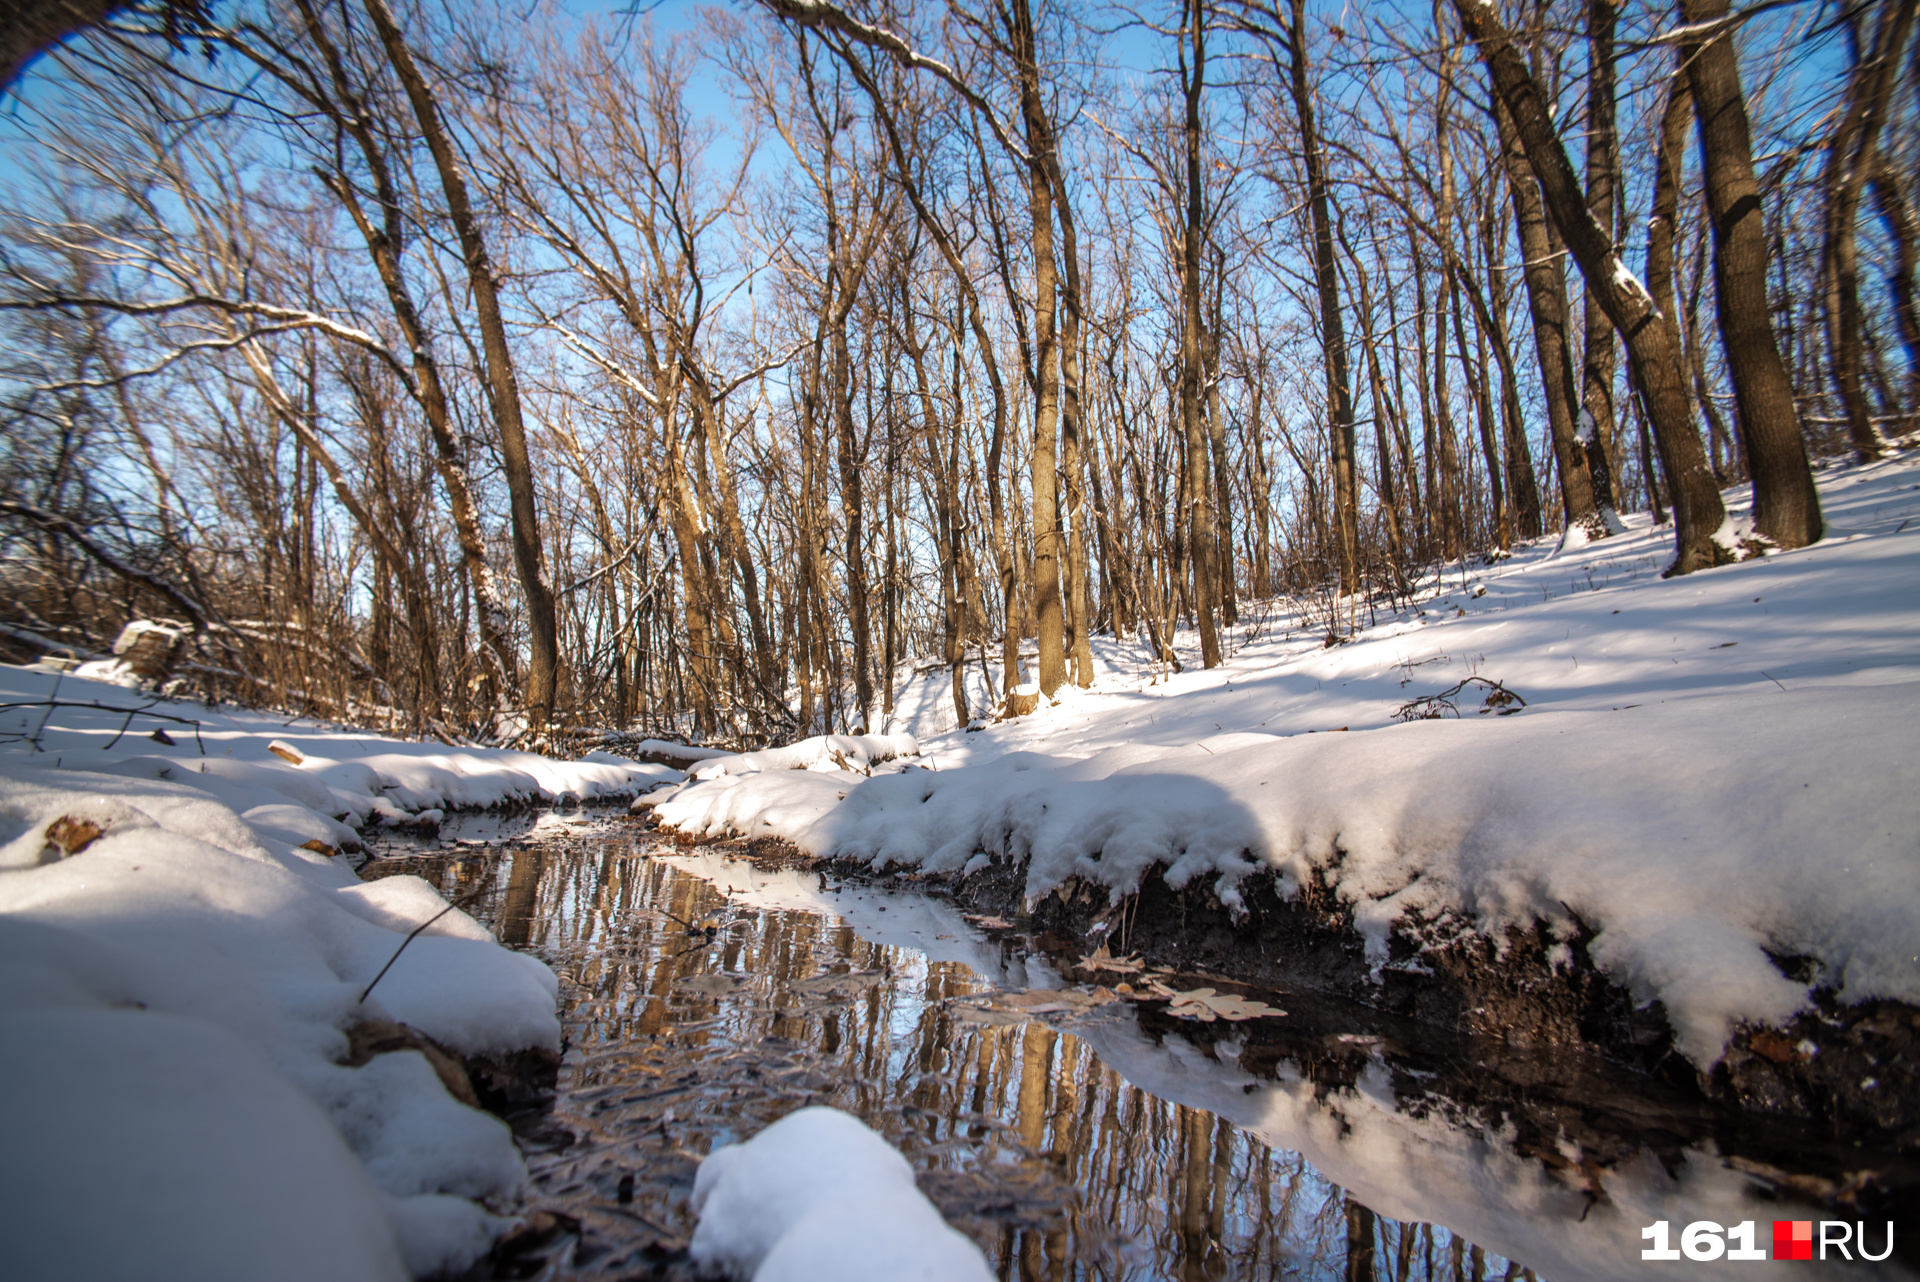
[(1057, 1165)]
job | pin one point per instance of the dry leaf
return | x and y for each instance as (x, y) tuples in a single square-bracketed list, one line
[(1013, 1007), (1101, 959), (990, 923), (286, 754), (70, 836), (1205, 1005), (319, 847), (1034, 1002)]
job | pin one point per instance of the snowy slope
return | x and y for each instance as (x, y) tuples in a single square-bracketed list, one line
[(179, 975), (1704, 768)]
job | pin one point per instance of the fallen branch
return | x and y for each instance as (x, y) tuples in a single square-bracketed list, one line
[(54, 523), (126, 721), (1431, 707)]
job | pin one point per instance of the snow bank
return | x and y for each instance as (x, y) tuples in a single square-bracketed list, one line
[(1706, 770), (181, 963), (817, 1197), (1691, 846), (822, 752), (249, 759)]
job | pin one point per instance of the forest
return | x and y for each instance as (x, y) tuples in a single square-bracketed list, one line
[(522, 375)]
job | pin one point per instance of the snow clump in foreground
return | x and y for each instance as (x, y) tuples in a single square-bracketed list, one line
[(817, 1197), (179, 972)]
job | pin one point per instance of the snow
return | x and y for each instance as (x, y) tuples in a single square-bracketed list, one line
[(1707, 769), (817, 1197), (177, 982), (822, 752), (1625, 281), (143, 1145), (684, 751)]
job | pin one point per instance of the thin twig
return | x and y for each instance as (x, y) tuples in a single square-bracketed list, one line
[(458, 903)]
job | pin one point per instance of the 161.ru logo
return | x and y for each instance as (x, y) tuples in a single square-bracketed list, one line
[(1792, 1240)]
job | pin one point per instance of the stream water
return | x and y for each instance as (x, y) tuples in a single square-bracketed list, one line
[(704, 997)]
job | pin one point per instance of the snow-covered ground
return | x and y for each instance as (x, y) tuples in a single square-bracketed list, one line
[(183, 957), (1703, 769)]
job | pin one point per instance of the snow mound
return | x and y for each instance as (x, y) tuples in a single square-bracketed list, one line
[(817, 1197), (822, 752), (176, 987), (143, 1145)]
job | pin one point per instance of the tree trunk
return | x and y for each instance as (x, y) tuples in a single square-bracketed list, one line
[(1903, 275), (851, 458), (1333, 336), (1049, 622), (1523, 490), (543, 644), (1692, 488), (1073, 426), (1852, 158), (1786, 507), (1478, 383), (1360, 1245), (1652, 339), (1193, 60), (1596, 377), (1547, 304)]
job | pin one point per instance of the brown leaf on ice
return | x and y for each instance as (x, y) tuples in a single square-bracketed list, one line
[(1012, 1007), (1205, 1005), (70, 836), (990, 923), (1101, 959), (1036, 1002)]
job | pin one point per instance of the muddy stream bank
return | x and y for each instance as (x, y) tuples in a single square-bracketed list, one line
[(1131, 1123)]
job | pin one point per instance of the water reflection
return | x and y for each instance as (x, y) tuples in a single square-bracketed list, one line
[(699, 1008)]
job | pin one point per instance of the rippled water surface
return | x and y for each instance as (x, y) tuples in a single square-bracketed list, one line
[(704, 997)]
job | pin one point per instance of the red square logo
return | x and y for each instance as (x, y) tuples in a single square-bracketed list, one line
[(1793, 1239)]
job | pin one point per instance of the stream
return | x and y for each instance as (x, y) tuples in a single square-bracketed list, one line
[(703, 997)]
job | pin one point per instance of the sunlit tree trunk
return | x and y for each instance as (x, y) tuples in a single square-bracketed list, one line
[(1786, 507)]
